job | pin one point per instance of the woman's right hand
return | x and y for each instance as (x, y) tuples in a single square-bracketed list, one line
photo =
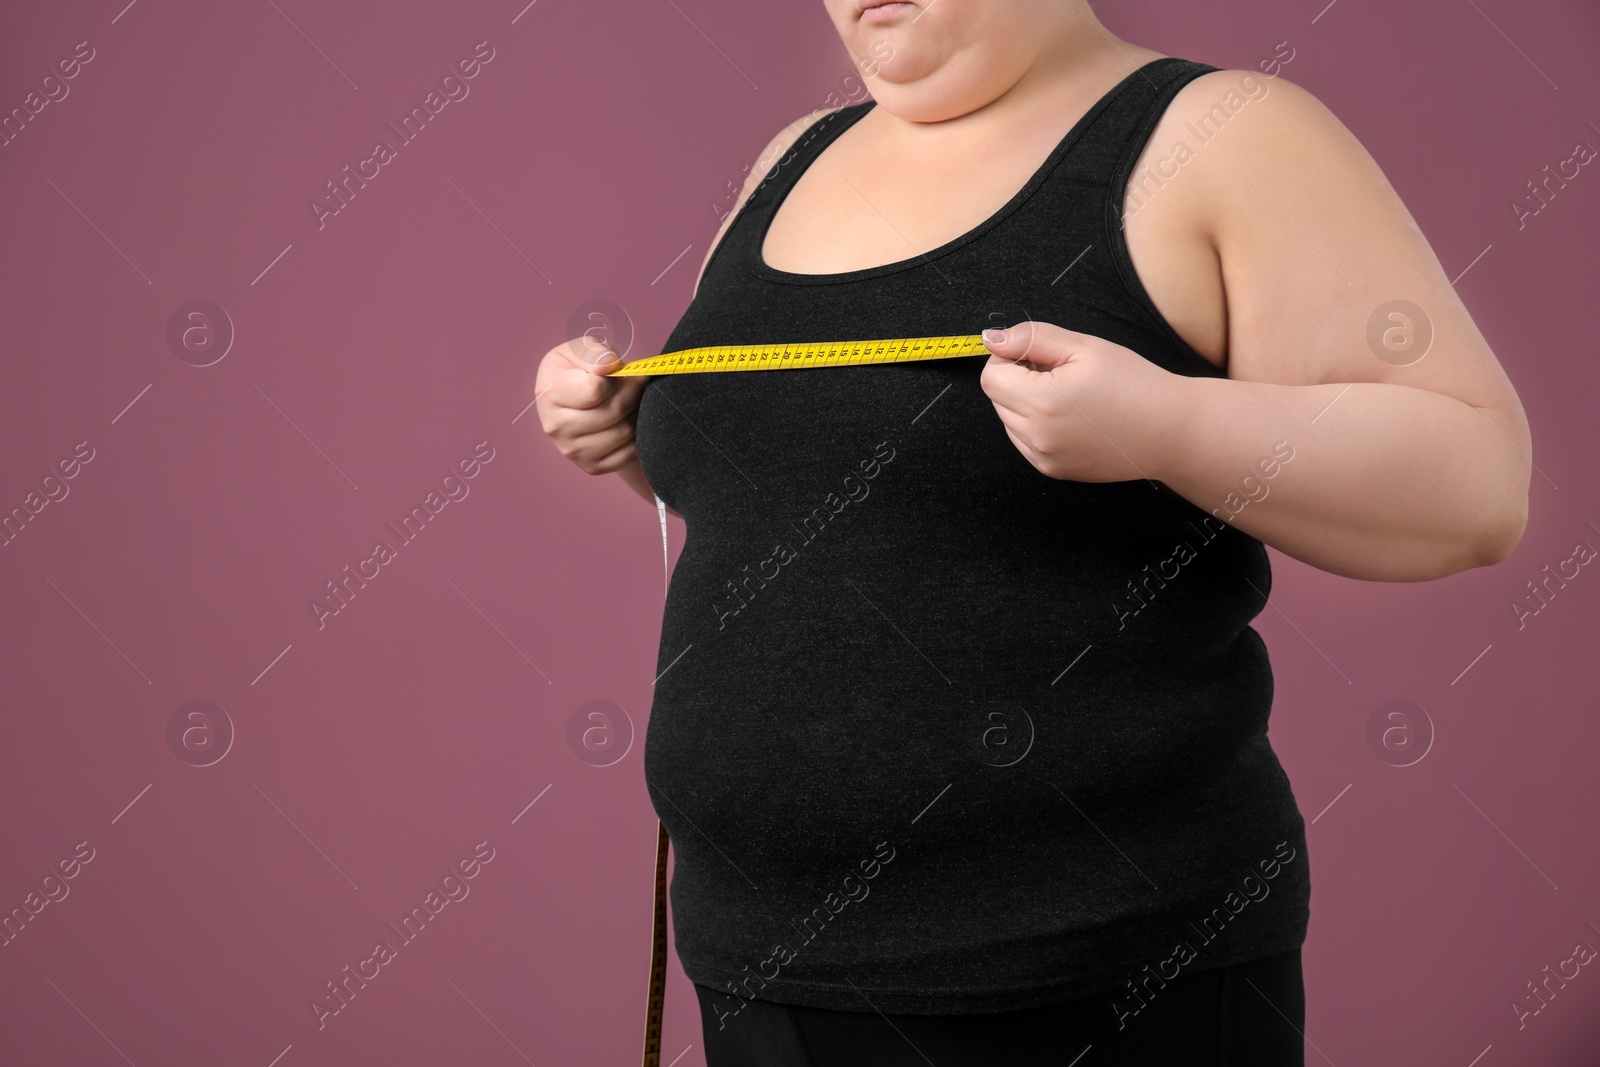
[(589, 414)]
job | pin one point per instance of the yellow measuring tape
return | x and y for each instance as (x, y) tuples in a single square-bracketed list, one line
[(798, 355)]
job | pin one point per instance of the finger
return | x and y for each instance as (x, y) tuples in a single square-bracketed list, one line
[(572, 423), (576, 389), (1028, 451), (1011, 386), (602, 361), (589, 447), (585, 354), (619, 394), (1010, 344), (1042, 344), (588, 390), (617, 459), (587, 351), (1016, 426), (621, 404)]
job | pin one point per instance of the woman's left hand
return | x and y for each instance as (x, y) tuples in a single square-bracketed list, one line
[(1080, 407)]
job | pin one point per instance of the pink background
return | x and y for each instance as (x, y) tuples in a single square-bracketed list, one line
[(371, 755)]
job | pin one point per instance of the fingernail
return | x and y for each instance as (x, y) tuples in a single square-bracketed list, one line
[(994, 337)]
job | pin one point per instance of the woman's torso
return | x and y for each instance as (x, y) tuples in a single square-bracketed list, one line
[(888, 634)]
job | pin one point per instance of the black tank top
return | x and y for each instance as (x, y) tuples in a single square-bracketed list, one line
[(935, 733)]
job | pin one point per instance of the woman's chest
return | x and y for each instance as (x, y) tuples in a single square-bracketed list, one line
[(903, 454), (851, 211), (723, 448)]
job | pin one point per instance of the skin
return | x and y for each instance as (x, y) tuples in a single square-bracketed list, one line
[(1269, 251)]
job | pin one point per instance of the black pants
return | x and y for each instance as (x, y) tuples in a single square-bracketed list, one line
[(1247, 1015)]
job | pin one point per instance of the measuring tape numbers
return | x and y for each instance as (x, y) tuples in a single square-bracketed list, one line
[(799, 355)]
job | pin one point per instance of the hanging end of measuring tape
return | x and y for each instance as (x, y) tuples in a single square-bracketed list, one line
[(655, 1002), (666, 564)]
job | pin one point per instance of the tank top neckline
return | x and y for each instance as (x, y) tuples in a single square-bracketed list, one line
[(853, 113)]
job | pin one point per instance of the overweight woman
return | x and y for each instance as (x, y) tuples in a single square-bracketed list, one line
[(960, 730)]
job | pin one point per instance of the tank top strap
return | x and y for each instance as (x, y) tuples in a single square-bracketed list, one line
[(1113, 142), (740, 245)]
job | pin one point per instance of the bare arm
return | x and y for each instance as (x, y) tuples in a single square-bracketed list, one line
[(1408, 463)]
